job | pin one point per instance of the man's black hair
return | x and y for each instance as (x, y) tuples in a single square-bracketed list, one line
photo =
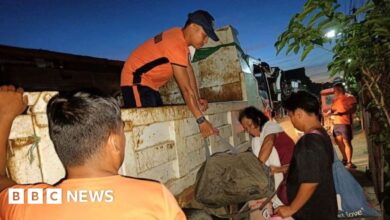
[(80, 123), (339, 86), (303, 100), (258, 117)]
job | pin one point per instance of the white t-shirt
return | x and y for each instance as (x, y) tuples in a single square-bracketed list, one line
[(269, 128)]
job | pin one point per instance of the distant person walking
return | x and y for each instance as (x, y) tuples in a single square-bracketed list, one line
[(343, 106), (154, 62)]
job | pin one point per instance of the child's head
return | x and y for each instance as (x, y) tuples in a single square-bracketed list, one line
[(252, 120), (302, 106)]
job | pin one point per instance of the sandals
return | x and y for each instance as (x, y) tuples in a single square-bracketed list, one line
[(350, 165)]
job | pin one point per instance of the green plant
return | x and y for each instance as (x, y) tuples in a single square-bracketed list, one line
[(30, 152)]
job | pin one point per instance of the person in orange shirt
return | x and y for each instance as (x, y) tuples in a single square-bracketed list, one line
[(343, 106), (88, 136), (153, 64)]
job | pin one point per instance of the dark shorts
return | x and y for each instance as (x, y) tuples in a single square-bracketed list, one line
[(343, 130), (138, 96)]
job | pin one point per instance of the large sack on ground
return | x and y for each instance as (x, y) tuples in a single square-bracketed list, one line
[(227, 178)]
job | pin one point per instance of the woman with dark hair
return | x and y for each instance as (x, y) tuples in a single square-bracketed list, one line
[(270, 144)]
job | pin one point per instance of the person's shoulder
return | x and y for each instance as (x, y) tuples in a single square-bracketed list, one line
[(140, 182), (174, 42), (140, 186), (174, 32), (350, 97), (272, 127), (271, 123), (314, 135), (310, 139), (28, 186)]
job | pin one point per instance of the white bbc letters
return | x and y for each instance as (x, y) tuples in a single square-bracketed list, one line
[(35, 196)]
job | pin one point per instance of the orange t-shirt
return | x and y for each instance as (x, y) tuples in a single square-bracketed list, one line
[(103, 198), (169, 44), (343, 104)]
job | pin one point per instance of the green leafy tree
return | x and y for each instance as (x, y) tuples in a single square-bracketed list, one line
[(361, 49)]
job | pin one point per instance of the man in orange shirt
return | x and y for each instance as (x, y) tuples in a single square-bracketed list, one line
[(343, 106), (87, 132), (153, 64)]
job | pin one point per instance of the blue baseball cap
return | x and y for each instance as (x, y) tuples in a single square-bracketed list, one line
[(205, 20)]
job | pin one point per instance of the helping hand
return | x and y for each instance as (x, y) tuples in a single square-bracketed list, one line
[(12, 102), (207, 129), (284, 211)]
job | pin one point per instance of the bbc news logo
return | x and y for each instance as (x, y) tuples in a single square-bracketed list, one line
[(55, 196)]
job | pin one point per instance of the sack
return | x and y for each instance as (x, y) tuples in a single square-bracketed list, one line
[(351, 200), (227, 178)]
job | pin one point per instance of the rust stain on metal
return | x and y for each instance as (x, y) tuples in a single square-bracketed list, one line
[(47, 97), (139, 142), (220, 70), (164, 112), (21, 142), (186, 196), (170, 145), (172, 98), (35, 122), (228, 92), (128, 126), (228, 74)]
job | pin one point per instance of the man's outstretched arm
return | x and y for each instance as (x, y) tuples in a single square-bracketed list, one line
[(203, 103), (189, 96), (12, 104)]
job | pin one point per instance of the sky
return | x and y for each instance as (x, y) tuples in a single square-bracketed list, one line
[(112, 29)]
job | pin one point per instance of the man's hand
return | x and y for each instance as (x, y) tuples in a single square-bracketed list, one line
[(12, 102), (285, 211), (305, 192), (327, 113), (207, 129), (282, 169), (203, 104)]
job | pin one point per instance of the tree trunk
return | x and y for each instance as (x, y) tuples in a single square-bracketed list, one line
[(369, 82)]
